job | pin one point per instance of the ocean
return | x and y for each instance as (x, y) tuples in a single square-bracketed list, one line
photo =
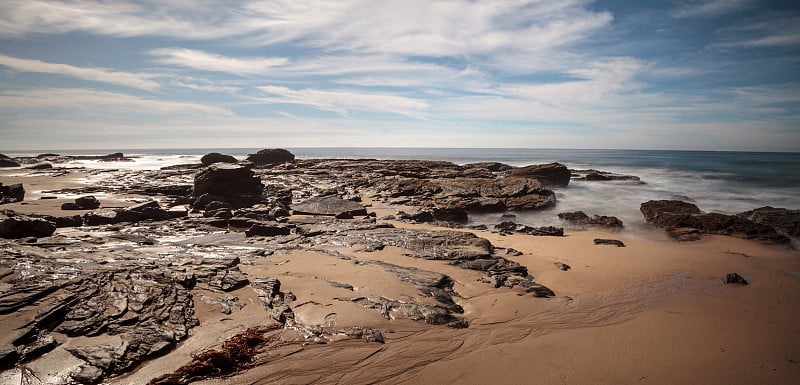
[(716, 181)]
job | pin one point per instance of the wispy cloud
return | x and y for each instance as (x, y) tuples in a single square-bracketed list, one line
[(342, 102), (707, 8), (127, 79), (205, 61)]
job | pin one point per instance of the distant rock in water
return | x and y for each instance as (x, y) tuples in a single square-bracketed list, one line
[(40, 166), (784, 220), (580, 218), (602, 176), (271, 156), (5, 161), (11, 193), (680, 218), (215, 157), (551, 174)]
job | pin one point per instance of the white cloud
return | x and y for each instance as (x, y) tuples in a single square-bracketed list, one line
[(127, 79), (211, 62), (343, 102), (107, 103), (711, 8)]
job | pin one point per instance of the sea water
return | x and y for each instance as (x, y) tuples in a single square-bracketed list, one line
[(716, 181)]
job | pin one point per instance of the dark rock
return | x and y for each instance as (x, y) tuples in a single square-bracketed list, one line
[(87, 374), (271, 156), (69, 221), (329, 206), (783, 220), (551, 174), (215, 157), (595, 175), (664, 213), (22, 226), (436, 214), (612, 242), (237, 186), (735, 279), (169, 190), (7, 162), (493, 195), (580, 218), (511, 227), (82, 203), (150, 210), (491, 166), (40, 166), (11, 193), (267, 230), (562, 266)]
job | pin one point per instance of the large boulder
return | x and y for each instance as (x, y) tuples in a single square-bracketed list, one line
[(784, 220), (238, 186), (329, 205), (550, 174), (669, 213), (271, 156), (215, 157), (11, 193), (23, 226), (8, 162)]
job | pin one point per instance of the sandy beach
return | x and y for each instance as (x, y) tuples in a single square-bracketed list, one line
[(656, 311)]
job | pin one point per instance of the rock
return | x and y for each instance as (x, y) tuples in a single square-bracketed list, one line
[(87, 374), (332, 206), (612, 242), (551, 174), (7, 162), (23, 226), (215, 157), (436, 214), (236, 185), (11, 193), (665, 213), (684, 234), (580, 218), (783, 220), (562, 266), (511, 227), (595, 175), (271, 156), (267, 230), (150, 210), (40, 166), (735, 279), (82, 203), (492, 195)]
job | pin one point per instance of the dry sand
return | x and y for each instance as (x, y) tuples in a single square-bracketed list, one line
[(654, 312)]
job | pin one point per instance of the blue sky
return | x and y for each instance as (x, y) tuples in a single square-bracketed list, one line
[(710, 74)]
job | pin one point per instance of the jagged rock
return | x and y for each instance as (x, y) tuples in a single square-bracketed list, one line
[(237, 186), (436, 214), (493, 195), (24, 226), (215, 157), (551, 174), (266, 230), (612, 242), (580, 218), (11, 193), (40, 166), (783, 220), (667, 213), (735, 279), (329, 206), (271, 156)]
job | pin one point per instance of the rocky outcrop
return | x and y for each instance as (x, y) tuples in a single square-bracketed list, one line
[(82, 203), (493, 195), (271, 156), (551, 174), (784, 220), (329, 205), (581, 219), (11, 193), (24, 226), (215, 157), (238, 186), (684, 221)]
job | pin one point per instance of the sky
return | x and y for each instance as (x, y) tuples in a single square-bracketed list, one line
[(691, 75)]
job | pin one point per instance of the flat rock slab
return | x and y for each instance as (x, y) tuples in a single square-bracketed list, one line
[(332, 206)]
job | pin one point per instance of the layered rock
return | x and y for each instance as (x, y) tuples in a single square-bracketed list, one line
[(329, 205), (551, 174), (581, 219), (784, 220)]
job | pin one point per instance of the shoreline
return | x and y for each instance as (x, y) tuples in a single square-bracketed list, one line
[(655, 311)]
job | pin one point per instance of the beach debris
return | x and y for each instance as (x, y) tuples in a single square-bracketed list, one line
[(735, 278), (672, 215), (11, 193), (215, 157), (612, 242), (580, 218), (562, 266)]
